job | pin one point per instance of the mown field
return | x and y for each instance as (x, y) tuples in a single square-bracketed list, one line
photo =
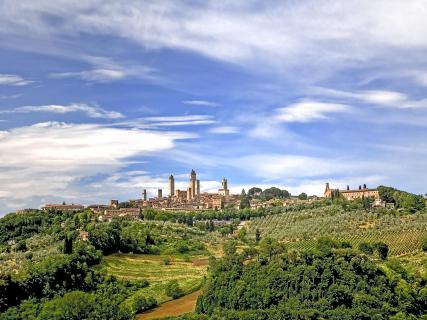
[(189, 271), (299, 230)]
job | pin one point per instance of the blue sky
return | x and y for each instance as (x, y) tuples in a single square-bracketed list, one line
[(99, 100)]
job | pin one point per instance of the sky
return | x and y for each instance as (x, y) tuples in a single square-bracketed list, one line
[(102, 99)]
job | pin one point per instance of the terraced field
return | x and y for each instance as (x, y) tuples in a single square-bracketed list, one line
[(299, 230), (188, 272)]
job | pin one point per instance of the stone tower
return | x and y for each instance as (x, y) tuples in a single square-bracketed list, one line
[(144, 195), (224, 188), (224, 184), (192, 188), (171, 186)]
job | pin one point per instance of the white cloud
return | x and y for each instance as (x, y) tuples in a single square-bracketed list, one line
[(49, 160), (308, 111), (385, 98), (278, 34), (224, 130), (97, 75), (90, 111), (13, 80), (180, 120), (201, 103)]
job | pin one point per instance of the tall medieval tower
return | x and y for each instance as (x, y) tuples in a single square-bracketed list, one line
[(194, 186), (171, 185)]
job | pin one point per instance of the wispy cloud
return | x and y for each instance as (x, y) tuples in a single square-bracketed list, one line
[(278, 35), (201, 103), (308, 111), (224, 130), (97, 75), (104, 69), (90, 111), (384, 98), (13, 80), (180, 120), (48, 160)]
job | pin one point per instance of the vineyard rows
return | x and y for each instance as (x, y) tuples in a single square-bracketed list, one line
[(299, 230)]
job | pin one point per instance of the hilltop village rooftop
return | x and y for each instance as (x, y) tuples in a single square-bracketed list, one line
[(192, 199)]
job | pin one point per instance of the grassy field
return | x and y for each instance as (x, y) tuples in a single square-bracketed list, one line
[(299, 230), (189, 272)]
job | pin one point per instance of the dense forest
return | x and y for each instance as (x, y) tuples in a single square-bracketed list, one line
[(328, 283)]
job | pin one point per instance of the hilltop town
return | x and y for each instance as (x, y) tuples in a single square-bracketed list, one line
[(192, 199)]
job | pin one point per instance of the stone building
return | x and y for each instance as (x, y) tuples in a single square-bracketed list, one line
[(63, 207), (351, 194)]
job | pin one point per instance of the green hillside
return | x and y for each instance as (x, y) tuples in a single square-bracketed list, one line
[(299, 230)]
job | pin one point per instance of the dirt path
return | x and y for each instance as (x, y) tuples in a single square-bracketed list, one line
[(176, 307)]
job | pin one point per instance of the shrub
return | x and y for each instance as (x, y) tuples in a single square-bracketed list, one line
[(366, 248), (424, 244), (166, 261), (73, 305), (382, 249), (173, 290)]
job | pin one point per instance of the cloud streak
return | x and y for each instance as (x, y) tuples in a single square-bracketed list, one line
[(309, 111), (203, 103), (13, 80), (165, 121), (90, 111)]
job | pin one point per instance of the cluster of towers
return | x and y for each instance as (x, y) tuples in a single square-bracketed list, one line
[(192, 192), (193, 189)]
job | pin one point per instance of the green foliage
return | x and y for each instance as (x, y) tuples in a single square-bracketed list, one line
[(331, 283), (254, 192), (21, 246), (166, 261), (55, 274), (300, 228), (270, 248), (366, 248), (173, 290), (138, 302), (73, 305), (244, 200), (382, 249), (257, 235), (302, 196), (402, 199), (272, 193), (424, 244)]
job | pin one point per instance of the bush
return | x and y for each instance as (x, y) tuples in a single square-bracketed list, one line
[(424, 244), (382, 249), (21, 246), (138, 303), (166, 261), (181, 247), (73, 305), (366, 248), (173, 290)]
